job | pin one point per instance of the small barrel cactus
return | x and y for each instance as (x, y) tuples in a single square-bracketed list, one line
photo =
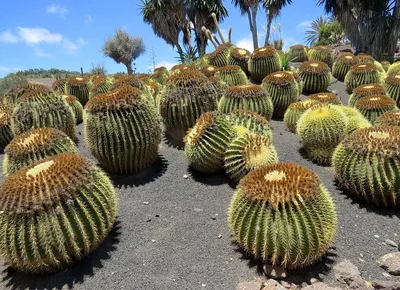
[(76, 107), (60, 86), (282, 214), (365, 91), (361, 74), (219, 57), (100, 85), (122, 130), (294, 112), (316, 76), (283, 91), (6, 134), (374, 106), (78, 86), (34, 145), (366, 164), (232, 75), (248, 152), (262, 62), (133, 81), (206, 142), (240, 57), (321, 53), (209, 70), (326, 97), (297, 53), (16, 92), (59, 209), (342, 65), (391, 118), (392, 87), (160, 76), (355, 119), (247, 97)]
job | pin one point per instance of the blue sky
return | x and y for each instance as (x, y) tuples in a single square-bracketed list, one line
[(69, 34)]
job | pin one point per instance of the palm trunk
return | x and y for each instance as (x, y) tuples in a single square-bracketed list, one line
[(269, 23), (254, 26), (129, 68)]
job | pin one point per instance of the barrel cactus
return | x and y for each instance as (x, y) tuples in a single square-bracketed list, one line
[(374, 106), (6, 134), (60, 86), (16, 92), (59, 209), (248, 152), (297, 53), (78, 86), (294, 112), (209, 70), (355, 120), (232, 75), (160, 76), (29, 147), (282, 214), (394, 68), (100, 85), (128, 125), (133, 81), (361, 74), (247, 97), (366, 164), (385, 64), (206, 142), (316, 76), (219, 57), (321, 53), (240, 57), (76, 107), (365, 91), (342, 65), (262, 62), (299, 81), (392, 87), (391, 118), (219, 86), (326, 97), (283, 91)]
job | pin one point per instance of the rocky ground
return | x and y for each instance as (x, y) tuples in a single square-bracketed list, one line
[(172, 234)]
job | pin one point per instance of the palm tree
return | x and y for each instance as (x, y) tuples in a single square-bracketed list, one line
[(124, 48), (314, 34), (250, 7), (273, 8)]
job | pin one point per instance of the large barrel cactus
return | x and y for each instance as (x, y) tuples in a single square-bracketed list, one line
[(219, 57), (6, 134), (245, 121), (240, 57), (392, 87), (342, 65), (282, 214), (294, 112), (366, 164), (321, 53), (262, 62), (365, 91), (16, 92), (232, 75), (78, 86), (76, 107), (122, 130), (391, 118), (355, 120), (316, 76), (29, 147), (100, 85), (394, 68), (361, 74), (326, 97), (374, 106), (60, 86), (297, 53)]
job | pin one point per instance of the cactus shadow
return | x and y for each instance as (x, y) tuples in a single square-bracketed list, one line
[(69, 277), (303, 153), (171, 142), (150, 174), (209, 179)]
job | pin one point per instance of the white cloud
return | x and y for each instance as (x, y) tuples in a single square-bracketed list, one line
[(167, 64), (246, 43), (57, 10), (7, 68), (8, 37), (88, 19), (304, 25), (72, 46), (36, 35)]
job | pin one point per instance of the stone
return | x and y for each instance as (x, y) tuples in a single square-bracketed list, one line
[(387, 285), (391, 243), (346, 272), (391, 263), (272, 284), (253, 285), (320, 286), (274, 272), (285, 284)]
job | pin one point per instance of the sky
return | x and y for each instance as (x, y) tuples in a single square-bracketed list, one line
[(69, 34)]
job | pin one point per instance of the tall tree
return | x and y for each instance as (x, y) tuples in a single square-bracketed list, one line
[(273, 9), (250, 8), (373, 27), (124, 48)]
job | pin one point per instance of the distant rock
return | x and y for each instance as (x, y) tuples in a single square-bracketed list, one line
[(391, 263), (272, 285), (386, 285), (320, 286), (347, 273)]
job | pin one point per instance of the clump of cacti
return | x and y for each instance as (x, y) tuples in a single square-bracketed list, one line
[(282, 214), (366, 164), (60, 86), (294, 112), (76, 107), (321, 128), (262, 62), (100, 85), (297, 53), (245, 121), (128, 125), (232, 75), (59, 209), (342, 65), (326, 97), (283, 91), (248, 152), (219, 57), (78, 86), (209, 70), (247, 97), (316, 76), (361, 74), (365, 91), (321, 53), (240, 57), (355, 119), (374, 106), (391, 118), (16, 92), (392, 87), (206, 142), (6, 134), (29, 147)]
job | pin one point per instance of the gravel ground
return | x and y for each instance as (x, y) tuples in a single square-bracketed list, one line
[(172, 232)]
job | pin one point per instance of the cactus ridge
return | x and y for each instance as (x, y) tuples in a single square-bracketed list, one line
[(321, 53), (392, 87), (240, 57), (232, 75), (246, 121), (325, 97), (219, 57), (78, 86)]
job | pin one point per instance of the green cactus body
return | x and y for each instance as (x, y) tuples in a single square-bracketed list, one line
[(316, 76), (6, 134), (76, 107), (299, 81), (394, 69), (262, 62), (374, 106), (294, 112), (206, 142), (365, 91), (160, 76), (297, 53), (36, 110), (54, 213), (327, 98), (219, 57), (232, 75), (355, 119), (391, 118), (240, 57), (34, 145), (219, 85), (392, 87), (15, 93), (133, 81), (283, 91), (122, 130), (209, 70), (247, 97), (342, 65), (282, 214), (366, 164), (361, 74), (100, 85), (78, 86), (321, 53), (248, 152), (386, 65), (60, 86)]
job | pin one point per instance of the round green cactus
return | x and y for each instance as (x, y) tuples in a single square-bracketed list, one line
[(361, 74), (16, 92), (297, 53), (100, 85), (365, 58), (355, 119), (321, 53), (6, 134), (34, 145), (240, 57), (78, 86), (262, 62), (122, 130), (282, 214), (160, 76), (283, 91), (394, 68), (365, 91), (37, 110), (299, 81), (59, 209), (60, 86), (342, 65), (391, 118), (294, 112), (219, 57), (76, 107), (316, 76), (133, 81), (329, 98), (232, 75), (366, 164), (248, 152), (374, 106), (392, 87), (209, 70), (247, 97), (206, 142)]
